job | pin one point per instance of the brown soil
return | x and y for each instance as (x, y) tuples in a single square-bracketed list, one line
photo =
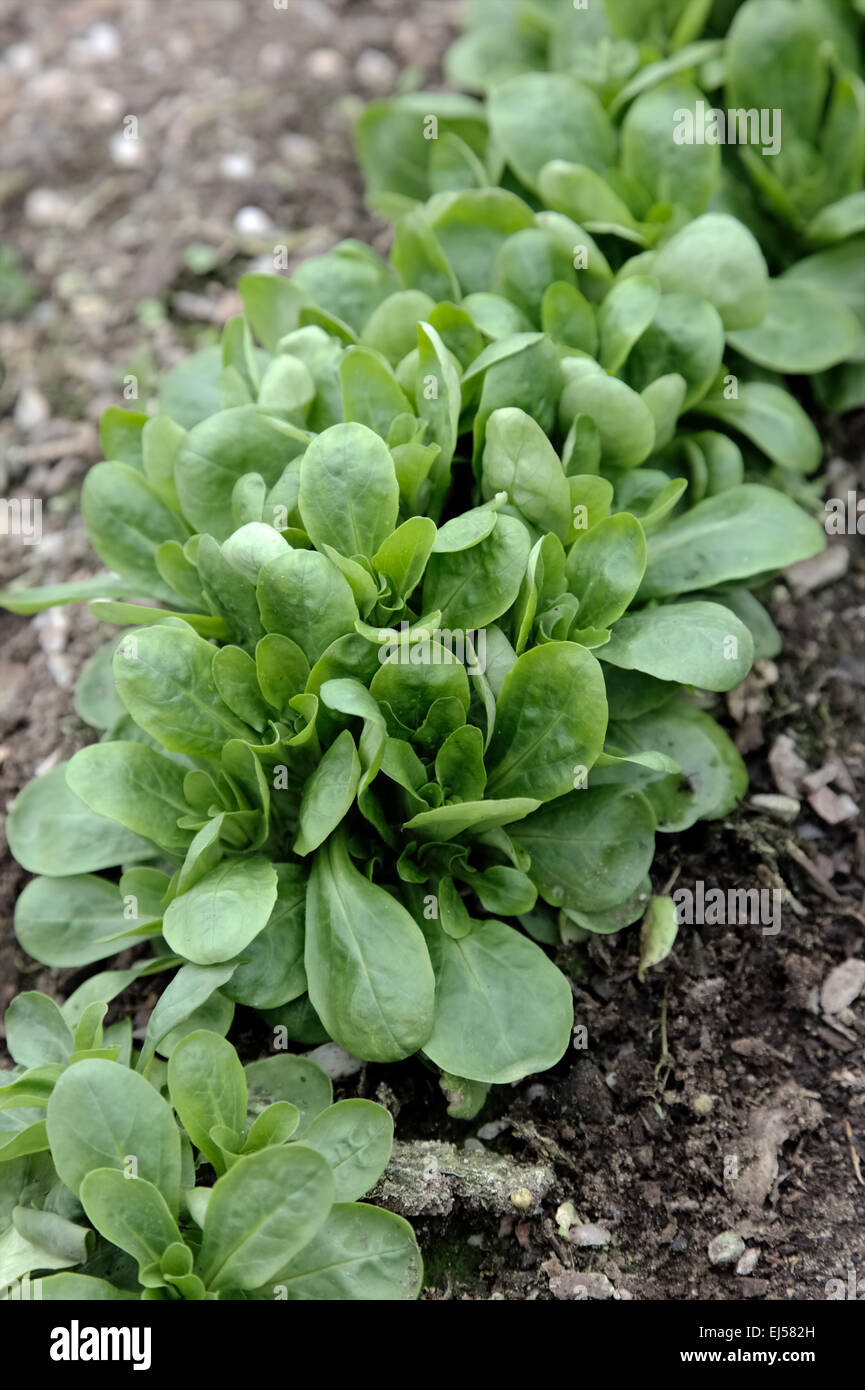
[(719, 1094)]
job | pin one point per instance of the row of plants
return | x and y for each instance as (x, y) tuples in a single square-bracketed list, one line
[(443, 559), (105, 1186)]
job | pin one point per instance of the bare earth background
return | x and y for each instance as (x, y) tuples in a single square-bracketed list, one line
[(743, 1053)]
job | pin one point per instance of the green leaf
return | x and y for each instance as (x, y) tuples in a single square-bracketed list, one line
[(403, 556), (713, 777), (165, 679), (101, 1115), (717, 258), (684, 174), (625, 423), (473, 587), (685, 337), (605, 567), (130, 1213), (303, 596), (261, 1213), (369, 974), (135, 785), (590, 849), (355, 1137), (127, 521), (539, 116), (180, 1005), (218, 451), (349, 496), (190, 391), (459, 764), (295, 1080), (657, 934), (270, 971), (222, 912), (694, 643), (519, 460), (29, 601), (360, 1253), (82, 1288), (207, 1086), (624, 316), (450, 822), (51, 831), (36, 1032), (328, 794), (518, 1003), (806, 329), (551, 717), (96, 700), (745, 530)]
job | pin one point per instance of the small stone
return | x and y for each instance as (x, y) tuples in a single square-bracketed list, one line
[(237, 166), (521, 1198), (787, 766), (590, 1235), (31, 410), (748, 1262), (101, 44), (21, 57), (492, 1130), (782, 808), (48, 207), (842, 985), (325, 64), (825, 568), (376, 70), (832, 808), (703, 1104), (300, 152), (252, 222), (125, 152), (335, 1061), (726, 1248)]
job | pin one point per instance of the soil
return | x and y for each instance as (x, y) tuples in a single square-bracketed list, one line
[(726, 1092)]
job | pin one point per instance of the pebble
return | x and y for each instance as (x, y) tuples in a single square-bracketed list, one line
[(21, 57), (493, 1129), (299, 151), (325, 64), (101, 44), (252, 222), (238, 165), (703, 1104), (48, 207), (726, 1249), (31, 410), (748, 1262), (125, 152), (588, 1234), (842, 985), (375, 70), (335, 1061)]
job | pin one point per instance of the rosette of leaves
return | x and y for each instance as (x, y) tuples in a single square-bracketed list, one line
[(330, 813), (581, 106), (126, 1178)]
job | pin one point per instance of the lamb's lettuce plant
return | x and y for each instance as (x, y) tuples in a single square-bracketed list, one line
[(195, 1179), (409, 731), (581, 110), (445, 550)]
